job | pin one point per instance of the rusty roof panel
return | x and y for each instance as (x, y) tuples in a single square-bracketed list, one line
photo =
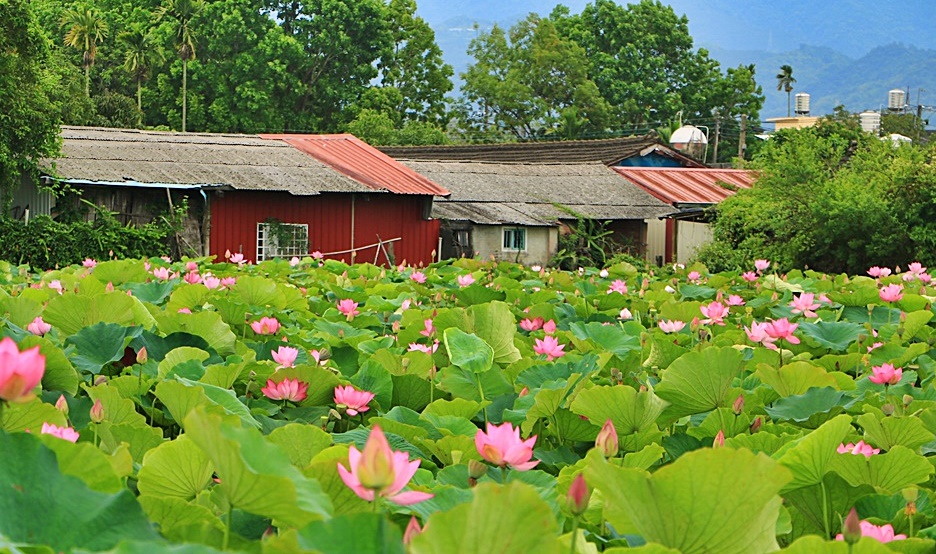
[(365, 164), (682, 185)]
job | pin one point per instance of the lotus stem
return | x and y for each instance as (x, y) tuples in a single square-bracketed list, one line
[(227, 528), (575, 526)]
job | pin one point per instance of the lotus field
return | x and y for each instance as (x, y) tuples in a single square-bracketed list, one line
[(466, 407)]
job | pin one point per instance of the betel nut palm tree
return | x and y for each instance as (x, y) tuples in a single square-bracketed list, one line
[(84, 30), (182, 12), (140, 52), (785, 82)]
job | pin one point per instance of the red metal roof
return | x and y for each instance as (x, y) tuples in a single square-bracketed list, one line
[(688, 185), (362, 162)]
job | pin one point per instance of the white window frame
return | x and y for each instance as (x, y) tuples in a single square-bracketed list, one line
[(512, 232), (267, 249)]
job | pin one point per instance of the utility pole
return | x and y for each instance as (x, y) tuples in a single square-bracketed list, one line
[(715, 146), (743, 138)]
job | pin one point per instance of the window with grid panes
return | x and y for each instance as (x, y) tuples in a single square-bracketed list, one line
[(281, 240)]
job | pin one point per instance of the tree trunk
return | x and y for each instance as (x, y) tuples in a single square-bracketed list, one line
[(788, 103), (184, 92), (140, 104), (87, 81)]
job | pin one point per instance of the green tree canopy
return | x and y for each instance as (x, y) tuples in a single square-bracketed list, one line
[(30, 117)]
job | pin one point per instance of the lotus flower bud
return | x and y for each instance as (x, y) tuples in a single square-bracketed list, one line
[(62, 405), (412, 530), (756, 425), (577, 499), (525, 391), (97, 412), (607, 441), (738, 405), (851, 529), (375, 470), (142, 356), (100, 380), (719, 441)]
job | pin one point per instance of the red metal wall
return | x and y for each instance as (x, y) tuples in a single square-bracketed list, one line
[(235, 214)]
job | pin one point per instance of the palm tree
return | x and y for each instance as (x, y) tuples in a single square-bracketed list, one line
[(785, 82), (85, 30), (138, 57), (182, 12)]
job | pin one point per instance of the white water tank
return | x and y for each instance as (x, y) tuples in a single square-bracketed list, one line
[(690, 140), (801, 104), (895, 99), (870, 121)]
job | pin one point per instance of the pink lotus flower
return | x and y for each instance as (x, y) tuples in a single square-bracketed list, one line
[(874, 346), (758, 333), (618, 286), (804, 304), (228, 282), (416, 347), (502, 446), (348, 307), (317, 255), (418, 276), (891, 293), (161, 273), (20, 372), (89, 263), (694, 276), (379, 472), (294, 261), (293, 390), (38, 327), (531, 324), (885, 374), (65, 433), (782, 329), (465, 280), (413, 530), (191, 266), (317, 356), (749, 276), (354, 400), (285, 356), (884, 533), (860, 448), (926, 277), (192, 277), (56, 285), (211, 282), (237, 259), (715, 313), (266, 326), (674, 326), (549, 347), (909, 277), (879, 271), (429, 328), (625, 314), (916, 268), (549, 327), (761, 265), (184, 311), (734, 300)]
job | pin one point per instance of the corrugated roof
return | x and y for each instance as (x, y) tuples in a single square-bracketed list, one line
[(607, 151), (242, 162), (521, 193), (362, 162), (682, 185)]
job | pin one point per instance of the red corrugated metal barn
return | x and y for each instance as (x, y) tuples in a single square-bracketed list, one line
[(272, 195)]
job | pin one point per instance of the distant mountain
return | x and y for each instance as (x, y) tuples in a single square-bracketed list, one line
[(848, 52)]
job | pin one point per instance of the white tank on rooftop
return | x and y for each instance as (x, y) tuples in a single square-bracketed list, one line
[(895, 99), (870, 121), (690, 140), (801, 103)]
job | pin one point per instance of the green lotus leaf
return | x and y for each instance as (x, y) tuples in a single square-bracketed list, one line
[(256, 475), (810, 457), (834, 335), (86, 462), (207, 325), (494, 323), (30, 416), (794, 378), (352, 534), (801, 408), (177, 468), (888, 472), (631, 412), (886, 432), (300, 442), (497, 520), (41, 506), (710, 500), (609, 337), (70, 313), (699, 382), (468, 351), (821, 508), (93, 347)]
